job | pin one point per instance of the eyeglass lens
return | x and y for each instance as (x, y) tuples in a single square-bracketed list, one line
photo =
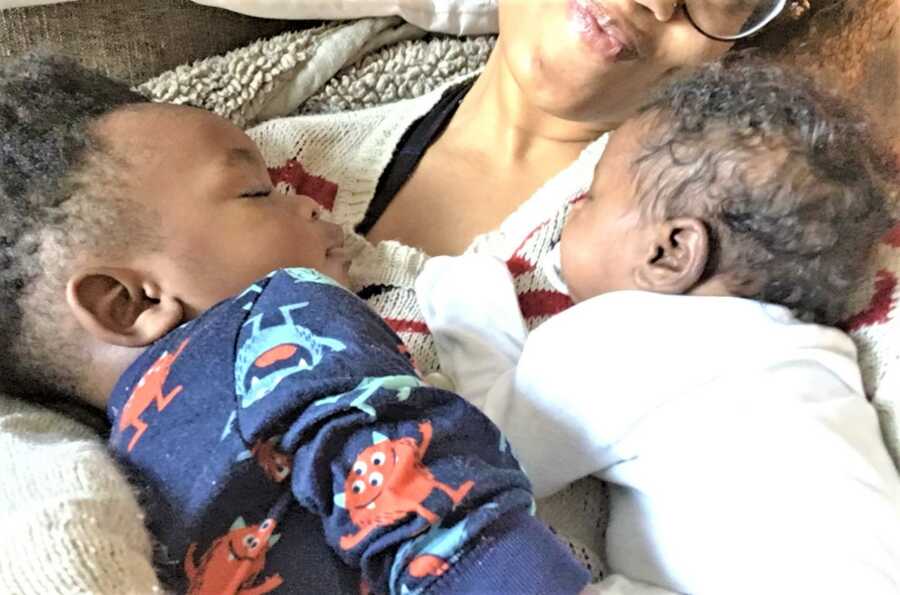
[(732, 19)]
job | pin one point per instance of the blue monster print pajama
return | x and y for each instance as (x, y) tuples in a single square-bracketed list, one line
[(283, 442)]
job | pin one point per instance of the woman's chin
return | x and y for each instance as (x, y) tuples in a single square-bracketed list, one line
[(572, 96), (570, 78)]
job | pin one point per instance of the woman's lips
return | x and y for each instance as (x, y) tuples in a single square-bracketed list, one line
[(598, 32)]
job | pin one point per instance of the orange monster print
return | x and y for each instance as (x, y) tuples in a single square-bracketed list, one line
[(149, 390), (276, 465), (388, 481), (233, 562)]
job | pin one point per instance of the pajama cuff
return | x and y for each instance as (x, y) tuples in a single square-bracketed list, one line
[(516, 554)]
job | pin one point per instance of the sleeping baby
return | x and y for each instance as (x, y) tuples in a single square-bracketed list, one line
[(279, 435), (698, 371)]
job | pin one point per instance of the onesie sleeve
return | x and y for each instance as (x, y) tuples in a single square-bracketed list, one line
[(414, 486), (470, 306)]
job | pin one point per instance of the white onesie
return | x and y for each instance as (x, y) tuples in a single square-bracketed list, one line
[(742, 454)]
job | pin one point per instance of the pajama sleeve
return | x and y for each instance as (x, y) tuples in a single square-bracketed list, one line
[(414, 486)]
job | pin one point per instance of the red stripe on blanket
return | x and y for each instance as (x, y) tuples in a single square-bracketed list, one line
[(407, 326), (518, 264), (879, 307), (317, 188), (543, 303), (893, 237)]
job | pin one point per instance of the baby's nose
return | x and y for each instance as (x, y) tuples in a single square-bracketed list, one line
[(311, 209), (334, 231)]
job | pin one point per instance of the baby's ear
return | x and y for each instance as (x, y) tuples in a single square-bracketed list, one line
[(120, 306), (676, 257)]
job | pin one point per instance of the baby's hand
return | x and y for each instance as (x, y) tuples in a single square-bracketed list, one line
[(474, 284)]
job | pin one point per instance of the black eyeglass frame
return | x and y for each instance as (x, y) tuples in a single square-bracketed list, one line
[(776, 10)]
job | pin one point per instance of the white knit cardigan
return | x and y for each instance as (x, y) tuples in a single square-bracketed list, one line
[(70, 520), (352, 149)]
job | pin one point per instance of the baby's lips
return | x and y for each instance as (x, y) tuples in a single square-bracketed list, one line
[(339, 251), (352, 245)]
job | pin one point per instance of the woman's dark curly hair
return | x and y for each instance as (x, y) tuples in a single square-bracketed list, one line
[(798, 20), (785, 177), (58, 196)]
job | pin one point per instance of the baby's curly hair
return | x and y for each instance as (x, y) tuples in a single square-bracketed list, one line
[(785, 176), (60, 195)]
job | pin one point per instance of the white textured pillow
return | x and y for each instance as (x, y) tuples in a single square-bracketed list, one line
[(18, 3), (460, 17)]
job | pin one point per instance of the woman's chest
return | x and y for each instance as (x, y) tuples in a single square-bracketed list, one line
[(450, 199)]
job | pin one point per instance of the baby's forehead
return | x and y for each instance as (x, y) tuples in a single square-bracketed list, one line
[(153, 140), (167, 128), (169, 158)]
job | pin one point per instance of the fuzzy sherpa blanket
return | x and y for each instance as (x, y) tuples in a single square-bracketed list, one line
[(336, 67)]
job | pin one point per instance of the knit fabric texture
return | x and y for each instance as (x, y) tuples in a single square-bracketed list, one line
[(77, 525), (874, 324)]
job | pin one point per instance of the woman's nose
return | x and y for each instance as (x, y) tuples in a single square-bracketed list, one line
[(662, 10)]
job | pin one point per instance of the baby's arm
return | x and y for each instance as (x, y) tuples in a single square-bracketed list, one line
[(418, 490), (414, 486), (470, 305)]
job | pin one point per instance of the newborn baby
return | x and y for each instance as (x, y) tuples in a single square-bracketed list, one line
[(698, 371)]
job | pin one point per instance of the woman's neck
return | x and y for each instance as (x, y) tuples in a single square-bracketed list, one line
[(497, 118)]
